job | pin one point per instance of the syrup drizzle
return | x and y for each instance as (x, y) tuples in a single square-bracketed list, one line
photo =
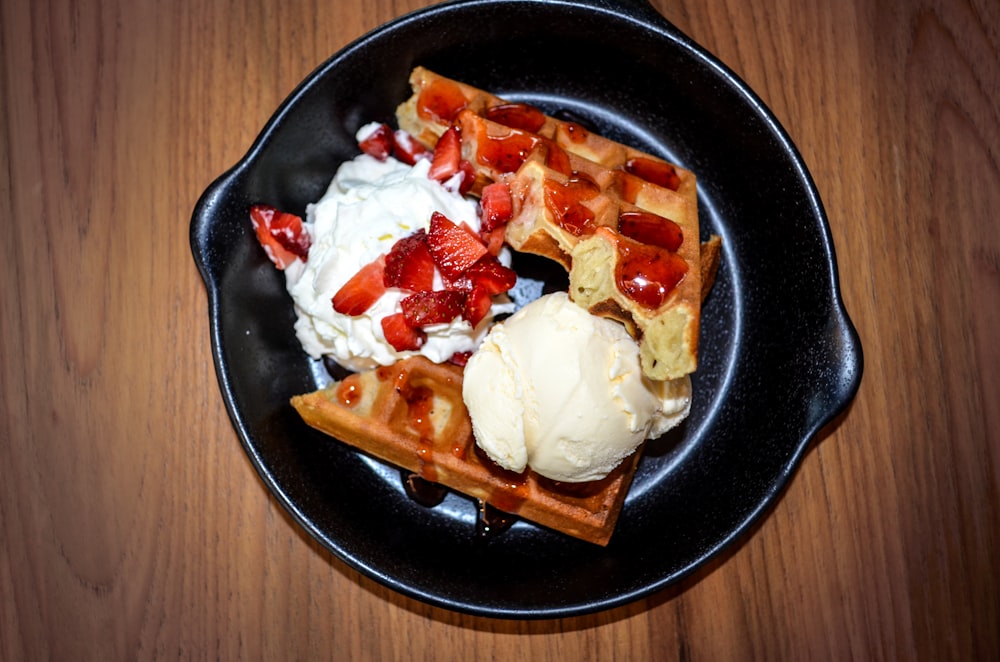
[(574, 132), (565, 203), (420, 401), (649, 228), (516, 116), (491, 521), (505, 153), (441, 101), (647, 274), (422, 490), (349, 391), (654, 172)]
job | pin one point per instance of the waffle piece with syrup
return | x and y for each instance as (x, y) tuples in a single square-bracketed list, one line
[(644, 266), (436, 102), (411, 414)]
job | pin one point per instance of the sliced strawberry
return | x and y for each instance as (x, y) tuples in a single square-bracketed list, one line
[(409, 264), (477, 305), (400, 334), (460, 358), (281, 234), (453, 248), (468, 176), (362, 290), (290, 233), (492, 276), (439, 307), (407, 149), (468, 228), (494, 239), (447, 155), (461, 283), (497, 205), (378, 142)]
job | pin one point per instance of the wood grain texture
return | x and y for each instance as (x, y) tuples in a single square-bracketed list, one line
[(133, 527)]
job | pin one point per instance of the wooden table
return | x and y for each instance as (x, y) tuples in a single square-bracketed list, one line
[(133, 526)]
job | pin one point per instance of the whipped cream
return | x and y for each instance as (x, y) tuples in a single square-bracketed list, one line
[(561, 391), (369, 205)]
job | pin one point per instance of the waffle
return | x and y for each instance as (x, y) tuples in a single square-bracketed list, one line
[(411, 414), (436, 102), (577, 199)]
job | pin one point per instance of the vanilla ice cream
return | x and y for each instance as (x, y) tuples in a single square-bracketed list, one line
[(559, 390), (369, 205)]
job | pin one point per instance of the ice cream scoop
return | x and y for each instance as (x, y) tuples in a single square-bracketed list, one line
[(561, 391)]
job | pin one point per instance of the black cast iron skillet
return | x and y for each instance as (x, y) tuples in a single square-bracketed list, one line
[(779, 356)]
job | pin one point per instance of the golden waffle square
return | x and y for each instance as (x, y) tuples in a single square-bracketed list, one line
[(411, 414)]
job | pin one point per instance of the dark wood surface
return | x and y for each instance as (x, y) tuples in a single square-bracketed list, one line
[(132, 525)]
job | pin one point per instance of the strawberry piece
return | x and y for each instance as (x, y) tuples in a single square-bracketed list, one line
[(454, 249), (494, 239), (497, 205), (468, 228), (468, 176), (565, 201), (281, 234), (439, 307), (288, 230), (378, 142), (461, 283), (362, 290), (407, 149), (477, 304), (492, 276), (400, 334), (409, 264), (447, 155), (460, 358)]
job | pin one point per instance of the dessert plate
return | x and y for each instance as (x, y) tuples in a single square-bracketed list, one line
[(779, 356)]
